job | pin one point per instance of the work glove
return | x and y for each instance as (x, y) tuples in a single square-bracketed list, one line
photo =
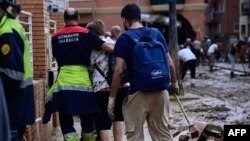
[(111, 106), (174, 89)]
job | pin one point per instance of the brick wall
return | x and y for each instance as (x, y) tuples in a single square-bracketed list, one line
[(196, 19), (39, 131), (191, 10), (58, 17), (40, 16)]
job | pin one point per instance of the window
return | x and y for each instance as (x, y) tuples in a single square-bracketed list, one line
[(243, 29), (236, 27), (218, 29), (221, 7), (248, 27)]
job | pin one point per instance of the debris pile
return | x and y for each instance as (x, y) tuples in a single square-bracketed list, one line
[(208, 132)]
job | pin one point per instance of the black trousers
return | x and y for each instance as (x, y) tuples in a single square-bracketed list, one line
[(17, 134), (67, 123), (188, 65)]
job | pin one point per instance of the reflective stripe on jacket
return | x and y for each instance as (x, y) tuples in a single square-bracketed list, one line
[(73, 78)]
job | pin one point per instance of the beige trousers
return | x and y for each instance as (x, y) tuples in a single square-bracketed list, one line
[(151, 107)]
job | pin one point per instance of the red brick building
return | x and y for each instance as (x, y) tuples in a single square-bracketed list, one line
[(222, 22), (222, 19), (190, 14)]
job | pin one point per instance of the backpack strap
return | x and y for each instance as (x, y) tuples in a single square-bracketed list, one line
[(100, 71), (153, 33), (132, 36)]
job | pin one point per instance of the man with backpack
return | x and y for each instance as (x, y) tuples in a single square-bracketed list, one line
[(149, 66)]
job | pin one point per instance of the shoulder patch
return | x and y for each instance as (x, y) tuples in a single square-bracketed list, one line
[(5, 49)]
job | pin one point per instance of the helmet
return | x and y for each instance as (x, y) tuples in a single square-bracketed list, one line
[(8, 2), (10, 7)]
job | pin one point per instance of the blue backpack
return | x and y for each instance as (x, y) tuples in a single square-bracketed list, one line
[(150, 68)]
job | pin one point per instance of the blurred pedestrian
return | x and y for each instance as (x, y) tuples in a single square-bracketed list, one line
[(116, 32), (197, 47), (107, 34), (205, 45), (72, 93), (211, 55), (248, 51), (232, 58), (189, 59), (141, 106), (16, 70)]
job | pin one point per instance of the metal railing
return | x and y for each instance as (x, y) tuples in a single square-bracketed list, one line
[(51, 63)]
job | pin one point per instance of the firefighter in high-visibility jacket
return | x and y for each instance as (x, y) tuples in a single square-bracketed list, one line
[(15, 70), (72, 93)]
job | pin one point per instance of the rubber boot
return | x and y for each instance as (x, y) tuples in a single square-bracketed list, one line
[(71, 137), (88, 137), (232, 75)]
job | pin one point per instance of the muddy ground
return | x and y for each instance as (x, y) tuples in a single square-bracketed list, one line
[(220, 100), (215, 99)]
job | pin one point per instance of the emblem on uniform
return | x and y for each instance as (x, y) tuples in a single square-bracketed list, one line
[(5, 49)]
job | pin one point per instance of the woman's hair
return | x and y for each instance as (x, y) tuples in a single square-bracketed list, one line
[(96, 26)]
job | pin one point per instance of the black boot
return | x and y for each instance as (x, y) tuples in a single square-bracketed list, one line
[(232, 75)]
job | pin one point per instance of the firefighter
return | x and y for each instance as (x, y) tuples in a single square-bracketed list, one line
[(72, 93), (15, 70)]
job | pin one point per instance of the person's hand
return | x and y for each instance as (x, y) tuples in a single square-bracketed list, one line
[(174, 89), (111, 106)]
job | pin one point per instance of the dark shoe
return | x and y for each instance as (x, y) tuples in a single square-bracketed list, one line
[(192, 85), (232, 75)]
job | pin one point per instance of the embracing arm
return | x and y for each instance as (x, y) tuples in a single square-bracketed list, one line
[(107, 47), (117, 76)]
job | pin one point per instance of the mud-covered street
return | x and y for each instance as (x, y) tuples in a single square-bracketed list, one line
[(215, 99), (222, 100)]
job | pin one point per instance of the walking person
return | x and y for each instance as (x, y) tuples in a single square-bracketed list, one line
[(15, 70), (211, 55), (197, 47), (98, 71), (143, 103), (118, 121), (101, 74), (72, 93), (248, 51), (232, 58), (205, 45), (116, 32), (189, 63)]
